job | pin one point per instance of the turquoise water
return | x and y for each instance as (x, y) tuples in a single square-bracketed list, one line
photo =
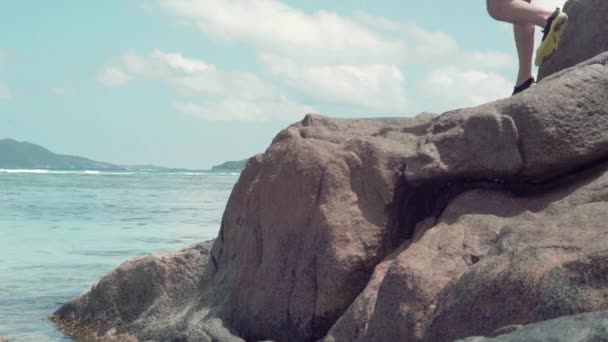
[(60, 231)]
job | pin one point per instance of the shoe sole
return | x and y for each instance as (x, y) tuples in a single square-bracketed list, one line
[(554, 38), (532, 86)]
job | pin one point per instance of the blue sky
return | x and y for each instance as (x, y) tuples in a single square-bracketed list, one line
[(193, 83)]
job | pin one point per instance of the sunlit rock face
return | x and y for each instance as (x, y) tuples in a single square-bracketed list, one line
[(476, 222)]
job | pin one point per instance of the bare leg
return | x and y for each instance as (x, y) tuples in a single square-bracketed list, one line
[(524, 40), (517, 12)]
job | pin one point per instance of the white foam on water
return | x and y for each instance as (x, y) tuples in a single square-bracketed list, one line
[(184, 173), (23, 171), (58, 172), (117, 173)]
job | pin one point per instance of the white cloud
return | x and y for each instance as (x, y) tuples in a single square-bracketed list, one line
[(159, 63), (194, 77), (331, 59), (277, 28), (436, 48), (136, 64), (452, 87), (223, 95), (377, 23), (241, 84), (179, 62), (5, 92), (230, 109), (322, 37), (113, 77), (376, 86), (430, 46), (488, 60)]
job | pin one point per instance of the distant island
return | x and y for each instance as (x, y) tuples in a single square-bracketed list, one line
[(24, 155), (232, 166)]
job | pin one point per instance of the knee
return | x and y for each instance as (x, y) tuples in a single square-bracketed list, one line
[(493, 7)]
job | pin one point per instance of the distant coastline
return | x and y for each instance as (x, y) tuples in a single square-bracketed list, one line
[(117, 172), (25, 157), (233, 166)]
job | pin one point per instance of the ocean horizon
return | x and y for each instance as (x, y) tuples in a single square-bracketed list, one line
[(62, 230), (123, 171)]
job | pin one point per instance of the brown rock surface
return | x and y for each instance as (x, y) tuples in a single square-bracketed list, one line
[(493, 258), (146, 298), (426, 228), (587, 327), (530, 137), (586, 35), (307, 222)]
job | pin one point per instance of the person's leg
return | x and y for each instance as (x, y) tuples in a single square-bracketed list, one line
[(517, 12), (524, 41), (524, 16)]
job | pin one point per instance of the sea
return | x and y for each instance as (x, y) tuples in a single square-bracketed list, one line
[(62, 230)]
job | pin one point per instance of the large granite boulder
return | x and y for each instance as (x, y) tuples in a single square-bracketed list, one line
[(147, 298), (534, 136), (585, 37), (451, 225), (587, 327), (306, 223), (427, 228), (496, 256)]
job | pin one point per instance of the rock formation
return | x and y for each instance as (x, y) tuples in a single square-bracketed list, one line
[(584, 38), (582, 327), (432, 228), (146, 298)]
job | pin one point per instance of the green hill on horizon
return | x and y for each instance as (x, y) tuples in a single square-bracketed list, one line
[(24, 155), (234, 166)]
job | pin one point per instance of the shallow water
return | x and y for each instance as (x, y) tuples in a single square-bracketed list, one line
[(61, 231)]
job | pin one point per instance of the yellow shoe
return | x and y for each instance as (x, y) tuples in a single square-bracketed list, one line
[(553, 33)]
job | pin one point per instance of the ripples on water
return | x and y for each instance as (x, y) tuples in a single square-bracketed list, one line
[(60, 231)]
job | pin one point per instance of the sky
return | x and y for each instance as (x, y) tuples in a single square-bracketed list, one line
[(194, 83)]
